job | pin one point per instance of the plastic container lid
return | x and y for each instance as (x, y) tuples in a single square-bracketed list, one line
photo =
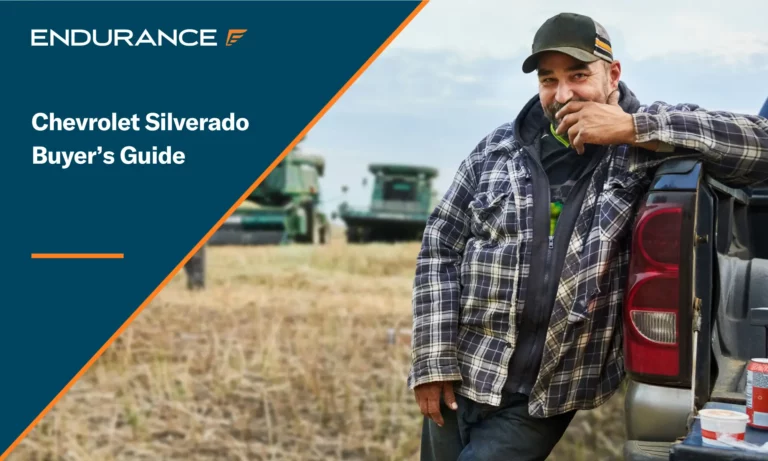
[(723, 414)]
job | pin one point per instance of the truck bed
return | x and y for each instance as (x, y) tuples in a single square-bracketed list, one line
[(738, 316)]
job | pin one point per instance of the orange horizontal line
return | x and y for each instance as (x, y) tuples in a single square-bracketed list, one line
[(77, 255)]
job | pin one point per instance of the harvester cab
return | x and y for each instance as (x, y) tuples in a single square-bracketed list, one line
[(283, 209), (402, 198)]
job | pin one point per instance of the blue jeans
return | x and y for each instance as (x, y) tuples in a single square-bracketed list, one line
[(477, 432)]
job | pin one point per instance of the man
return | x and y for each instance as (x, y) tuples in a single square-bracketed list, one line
[(520, 278)]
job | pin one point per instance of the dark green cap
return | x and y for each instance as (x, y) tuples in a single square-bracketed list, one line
[(576, 35)]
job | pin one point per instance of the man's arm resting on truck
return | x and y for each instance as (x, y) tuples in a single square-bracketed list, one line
[(733, 146), (436, 293)]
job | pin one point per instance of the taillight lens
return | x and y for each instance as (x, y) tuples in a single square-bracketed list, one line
[(660, 236), (657, 327), (652, 308)]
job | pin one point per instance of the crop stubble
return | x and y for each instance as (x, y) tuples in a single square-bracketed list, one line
[(285, 356)]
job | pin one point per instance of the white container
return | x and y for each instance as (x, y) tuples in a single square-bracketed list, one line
[(717, 423)]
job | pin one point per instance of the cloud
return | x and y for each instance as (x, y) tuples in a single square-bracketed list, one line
[(419, 85), (454, 74), (411, 82), (500, 29)]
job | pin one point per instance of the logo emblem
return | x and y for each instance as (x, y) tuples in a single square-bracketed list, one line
[(234, 35)]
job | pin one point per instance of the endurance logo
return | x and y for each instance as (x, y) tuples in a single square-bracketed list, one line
[(235, 35), (128, 37)]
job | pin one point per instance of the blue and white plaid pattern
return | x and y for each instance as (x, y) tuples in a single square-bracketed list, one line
[(471, 275)]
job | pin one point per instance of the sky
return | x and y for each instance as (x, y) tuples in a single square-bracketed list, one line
[(454, 74)]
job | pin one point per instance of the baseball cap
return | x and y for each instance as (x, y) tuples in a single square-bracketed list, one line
[(576, 35)]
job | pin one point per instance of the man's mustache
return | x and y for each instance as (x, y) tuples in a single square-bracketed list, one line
[(551, 109)]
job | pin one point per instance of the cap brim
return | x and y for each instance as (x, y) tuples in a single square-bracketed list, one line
[(531, 62)]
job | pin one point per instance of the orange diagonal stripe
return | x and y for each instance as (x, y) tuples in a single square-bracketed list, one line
[(207, 236), (78, 255)]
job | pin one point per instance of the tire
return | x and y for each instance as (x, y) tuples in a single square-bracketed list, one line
[(366, 235), (316, 231), (352, 236), (310, 238)]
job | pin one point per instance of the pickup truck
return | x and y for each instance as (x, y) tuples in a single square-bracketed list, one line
[(696, 308)]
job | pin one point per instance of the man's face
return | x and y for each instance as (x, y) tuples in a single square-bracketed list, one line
[(563, 79)]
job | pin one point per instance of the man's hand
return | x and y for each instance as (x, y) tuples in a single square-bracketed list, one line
[(428, 397), (595, 123)]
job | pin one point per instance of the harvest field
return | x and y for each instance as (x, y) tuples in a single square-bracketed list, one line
[(285, 356)]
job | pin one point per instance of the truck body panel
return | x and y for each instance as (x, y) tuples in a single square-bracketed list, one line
[(723, 276)]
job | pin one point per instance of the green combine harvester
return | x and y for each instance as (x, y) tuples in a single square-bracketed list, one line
[(401, 202), (283, 209)]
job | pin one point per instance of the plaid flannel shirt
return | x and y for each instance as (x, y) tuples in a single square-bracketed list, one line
[(471, 274)]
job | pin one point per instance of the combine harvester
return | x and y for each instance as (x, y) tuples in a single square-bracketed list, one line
[(401, 202), (283, 209)]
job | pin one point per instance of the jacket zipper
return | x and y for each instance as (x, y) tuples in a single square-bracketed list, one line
[(543, 300), (541, 219), (566, 218)]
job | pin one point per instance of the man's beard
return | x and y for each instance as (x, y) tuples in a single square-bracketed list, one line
[(551, 109)]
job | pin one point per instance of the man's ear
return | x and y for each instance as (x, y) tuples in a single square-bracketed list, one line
[(615, 74)]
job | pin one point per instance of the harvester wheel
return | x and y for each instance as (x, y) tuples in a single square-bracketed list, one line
[(352, 236), (310, 237), (317, 231), (366, 235), (359, 235)]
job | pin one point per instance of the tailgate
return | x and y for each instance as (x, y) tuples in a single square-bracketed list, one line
[(737, 318), (692, 448)]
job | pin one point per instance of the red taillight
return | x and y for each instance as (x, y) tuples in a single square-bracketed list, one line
[(652, 309), (660, 236)]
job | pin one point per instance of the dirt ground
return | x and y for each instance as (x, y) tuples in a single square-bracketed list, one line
[(285, 356)]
